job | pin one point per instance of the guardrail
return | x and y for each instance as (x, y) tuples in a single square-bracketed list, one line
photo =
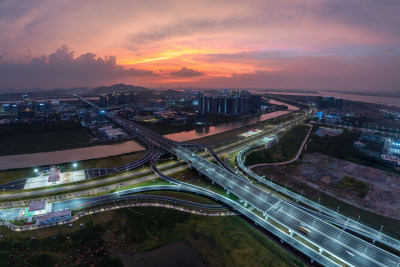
[(346, 221), (263, 223)]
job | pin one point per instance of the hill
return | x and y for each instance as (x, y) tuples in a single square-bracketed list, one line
[(117, 88)]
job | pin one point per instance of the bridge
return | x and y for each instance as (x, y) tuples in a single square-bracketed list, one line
[(328, 238)]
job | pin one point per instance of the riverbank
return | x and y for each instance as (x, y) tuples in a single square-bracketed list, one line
[(42, 137), (226, 128), (69, 155), (107, 162)]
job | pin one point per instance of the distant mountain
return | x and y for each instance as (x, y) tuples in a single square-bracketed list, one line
[(38, 93), (117, 88)]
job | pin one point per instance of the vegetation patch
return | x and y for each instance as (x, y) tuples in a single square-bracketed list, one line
[(104, 237), (286, 149), (359, 187), (342, 147), (38, 137)]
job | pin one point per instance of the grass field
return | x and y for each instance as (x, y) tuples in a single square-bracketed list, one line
[(219, 241), (360, 188), (181, 195), (38, 137), (286, 149)]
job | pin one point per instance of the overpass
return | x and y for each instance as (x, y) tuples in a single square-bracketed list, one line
[(326, 237), (350, 249), (333, 216)]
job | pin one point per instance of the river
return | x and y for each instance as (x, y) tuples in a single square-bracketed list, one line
[(77, 154), (68, 155), (220, 128), (382, 100)]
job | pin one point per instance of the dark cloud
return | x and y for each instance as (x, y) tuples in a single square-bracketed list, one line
[(61, 69), (369, 15), (185, 72)]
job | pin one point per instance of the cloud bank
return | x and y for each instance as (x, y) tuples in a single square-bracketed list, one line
[(185, 72), (61, 69), (320, 44)]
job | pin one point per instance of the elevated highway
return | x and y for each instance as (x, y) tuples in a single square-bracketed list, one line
[(333, 216), (326, 237), (350, 249)]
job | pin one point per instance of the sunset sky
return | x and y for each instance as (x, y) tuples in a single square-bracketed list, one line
[(310, 44)]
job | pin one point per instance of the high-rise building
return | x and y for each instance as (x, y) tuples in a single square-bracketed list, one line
[(328, 103), (103, 100), (244, 106), (228, 105), (338, 103), (255, 102)]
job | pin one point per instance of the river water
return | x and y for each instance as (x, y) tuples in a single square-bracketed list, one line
[(68, 155), (383, 100), (220, 128), (77, 154), (223, 127)]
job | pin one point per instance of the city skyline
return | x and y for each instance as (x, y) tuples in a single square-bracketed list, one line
[(342, 46)]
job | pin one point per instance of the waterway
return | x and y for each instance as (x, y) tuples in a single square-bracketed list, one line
[(68, 155), (77, 154), (220, 128), (382, 100)]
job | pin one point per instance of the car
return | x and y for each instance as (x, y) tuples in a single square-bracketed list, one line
[(348, 252), (304, 230)]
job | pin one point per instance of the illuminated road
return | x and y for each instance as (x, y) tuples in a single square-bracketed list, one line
[(328, 238), (323, 235)]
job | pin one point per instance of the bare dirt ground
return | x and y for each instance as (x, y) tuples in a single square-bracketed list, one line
[(324, 173)]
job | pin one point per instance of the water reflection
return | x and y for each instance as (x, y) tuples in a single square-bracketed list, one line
[(210, 130), (68, 155)]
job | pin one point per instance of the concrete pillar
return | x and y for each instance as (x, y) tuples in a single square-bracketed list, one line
[(373, 241), (212, 181), (228, 192), (282, 241), (291, 233), (245, 204), (312, 260), (321, 250)]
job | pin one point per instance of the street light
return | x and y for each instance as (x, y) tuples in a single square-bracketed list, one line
[(36, 171), (74, 165)]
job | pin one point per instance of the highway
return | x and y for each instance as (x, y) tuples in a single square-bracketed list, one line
[(324, 235), (348, 248), (327, 237), (334, 216)]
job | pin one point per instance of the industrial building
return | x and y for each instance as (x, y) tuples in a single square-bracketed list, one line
[(54, 217), (111, 133)]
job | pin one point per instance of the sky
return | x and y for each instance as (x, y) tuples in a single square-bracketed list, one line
[(340, 45)]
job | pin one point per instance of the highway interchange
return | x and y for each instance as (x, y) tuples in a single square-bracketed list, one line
[(348, 248)]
